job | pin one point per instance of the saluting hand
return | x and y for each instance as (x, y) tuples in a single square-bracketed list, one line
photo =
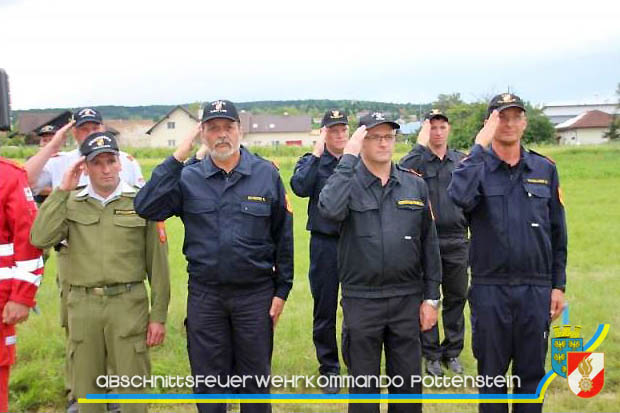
[(319, 146), (186, 145), (354, 146), (425, 133), (428, 316), (155, 334), (202, 152), (60, 137), (277, 305), (486, 134), (71, 178)]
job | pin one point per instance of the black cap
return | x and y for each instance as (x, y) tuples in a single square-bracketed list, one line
[(334, 117), (505, 101), (47, 130), (97, 143), (220, 109), (377, 118), (84, 115), (436, 113)]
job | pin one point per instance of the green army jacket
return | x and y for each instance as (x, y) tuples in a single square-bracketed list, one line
[(105, 245)]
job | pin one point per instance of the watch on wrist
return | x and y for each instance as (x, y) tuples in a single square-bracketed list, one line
[(433, 303)]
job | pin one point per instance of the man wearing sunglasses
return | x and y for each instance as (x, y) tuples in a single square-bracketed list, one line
[(388, 259)]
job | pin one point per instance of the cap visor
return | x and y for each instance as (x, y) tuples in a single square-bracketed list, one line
[(93, 154), (335, 122), (393, 124), (512, 105), (83, 121), (220, 117), (440, 117)]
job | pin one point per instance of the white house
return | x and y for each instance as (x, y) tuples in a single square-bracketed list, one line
[(559, 112), (172, 128), (587, 128)]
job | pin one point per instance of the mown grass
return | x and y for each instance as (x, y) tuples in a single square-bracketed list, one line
[(590, 179)]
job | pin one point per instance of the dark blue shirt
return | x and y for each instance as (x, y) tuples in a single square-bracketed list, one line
[(388, 244), (518, 226), (437, 173), (238, 225), (310, 175)]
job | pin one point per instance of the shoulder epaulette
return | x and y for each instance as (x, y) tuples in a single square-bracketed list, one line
[(543, 156), (274, 163), (411, 171)]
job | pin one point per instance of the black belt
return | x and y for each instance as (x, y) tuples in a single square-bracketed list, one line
[(106, 290)]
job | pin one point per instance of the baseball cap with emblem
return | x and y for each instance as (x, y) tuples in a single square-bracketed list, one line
[(98, 142), (505, 101), (375, 119), (84, 115), (220, 109), (334, 117), (436, 113), (47, 129)]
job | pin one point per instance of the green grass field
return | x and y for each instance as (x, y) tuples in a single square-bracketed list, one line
[(590, 178)]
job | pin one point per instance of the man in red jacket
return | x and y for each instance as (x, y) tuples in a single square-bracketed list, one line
[(21, 264)]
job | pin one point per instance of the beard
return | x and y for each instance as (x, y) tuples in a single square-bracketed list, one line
[(220, 154)]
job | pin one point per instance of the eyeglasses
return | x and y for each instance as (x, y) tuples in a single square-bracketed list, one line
[(387, 138)]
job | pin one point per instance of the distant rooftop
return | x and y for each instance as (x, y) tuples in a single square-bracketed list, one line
[(594, 101), (590, 119)]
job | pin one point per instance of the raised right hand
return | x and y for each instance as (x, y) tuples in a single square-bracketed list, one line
[(425, 133), (60, 137), (185, 147), (71, 178), (486, 134), (354, 146), (319, 146)]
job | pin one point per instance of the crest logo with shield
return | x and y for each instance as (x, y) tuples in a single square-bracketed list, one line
[(566, 339)]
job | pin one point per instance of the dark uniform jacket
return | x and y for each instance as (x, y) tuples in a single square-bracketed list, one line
[(238, 226), (449, 218), (517, 217), (310, 175), (388, 243)]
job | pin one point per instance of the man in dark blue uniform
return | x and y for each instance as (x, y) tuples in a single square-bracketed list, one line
[(239, 247), (311, 173), (518, 249), (388, 260), (432, 159)]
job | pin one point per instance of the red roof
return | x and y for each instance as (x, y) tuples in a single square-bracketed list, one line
[(590, 119)]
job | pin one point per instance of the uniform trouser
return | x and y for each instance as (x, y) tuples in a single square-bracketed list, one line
[(64, 291), (324, 288), (454, 259), (230, 334), (107, 331), (391, 324), (7, 358), (510, 323)]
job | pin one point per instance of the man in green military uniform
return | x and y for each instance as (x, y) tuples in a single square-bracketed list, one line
[(107, 252)]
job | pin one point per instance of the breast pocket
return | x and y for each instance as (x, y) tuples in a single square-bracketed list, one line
[(200, 212), (129, 231), (409, 218), (255, 220), (365, 219), (538, 197), (493, 196)]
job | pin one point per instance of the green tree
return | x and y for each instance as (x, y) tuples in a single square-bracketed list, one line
[(539, 127), (446, 101)]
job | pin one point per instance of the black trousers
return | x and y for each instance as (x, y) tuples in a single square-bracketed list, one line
[(389, 324), (324, 288), (230, 333), (510, 323), (454, 259)]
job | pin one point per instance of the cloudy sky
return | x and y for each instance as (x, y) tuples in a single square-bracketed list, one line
[(69, 53)]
